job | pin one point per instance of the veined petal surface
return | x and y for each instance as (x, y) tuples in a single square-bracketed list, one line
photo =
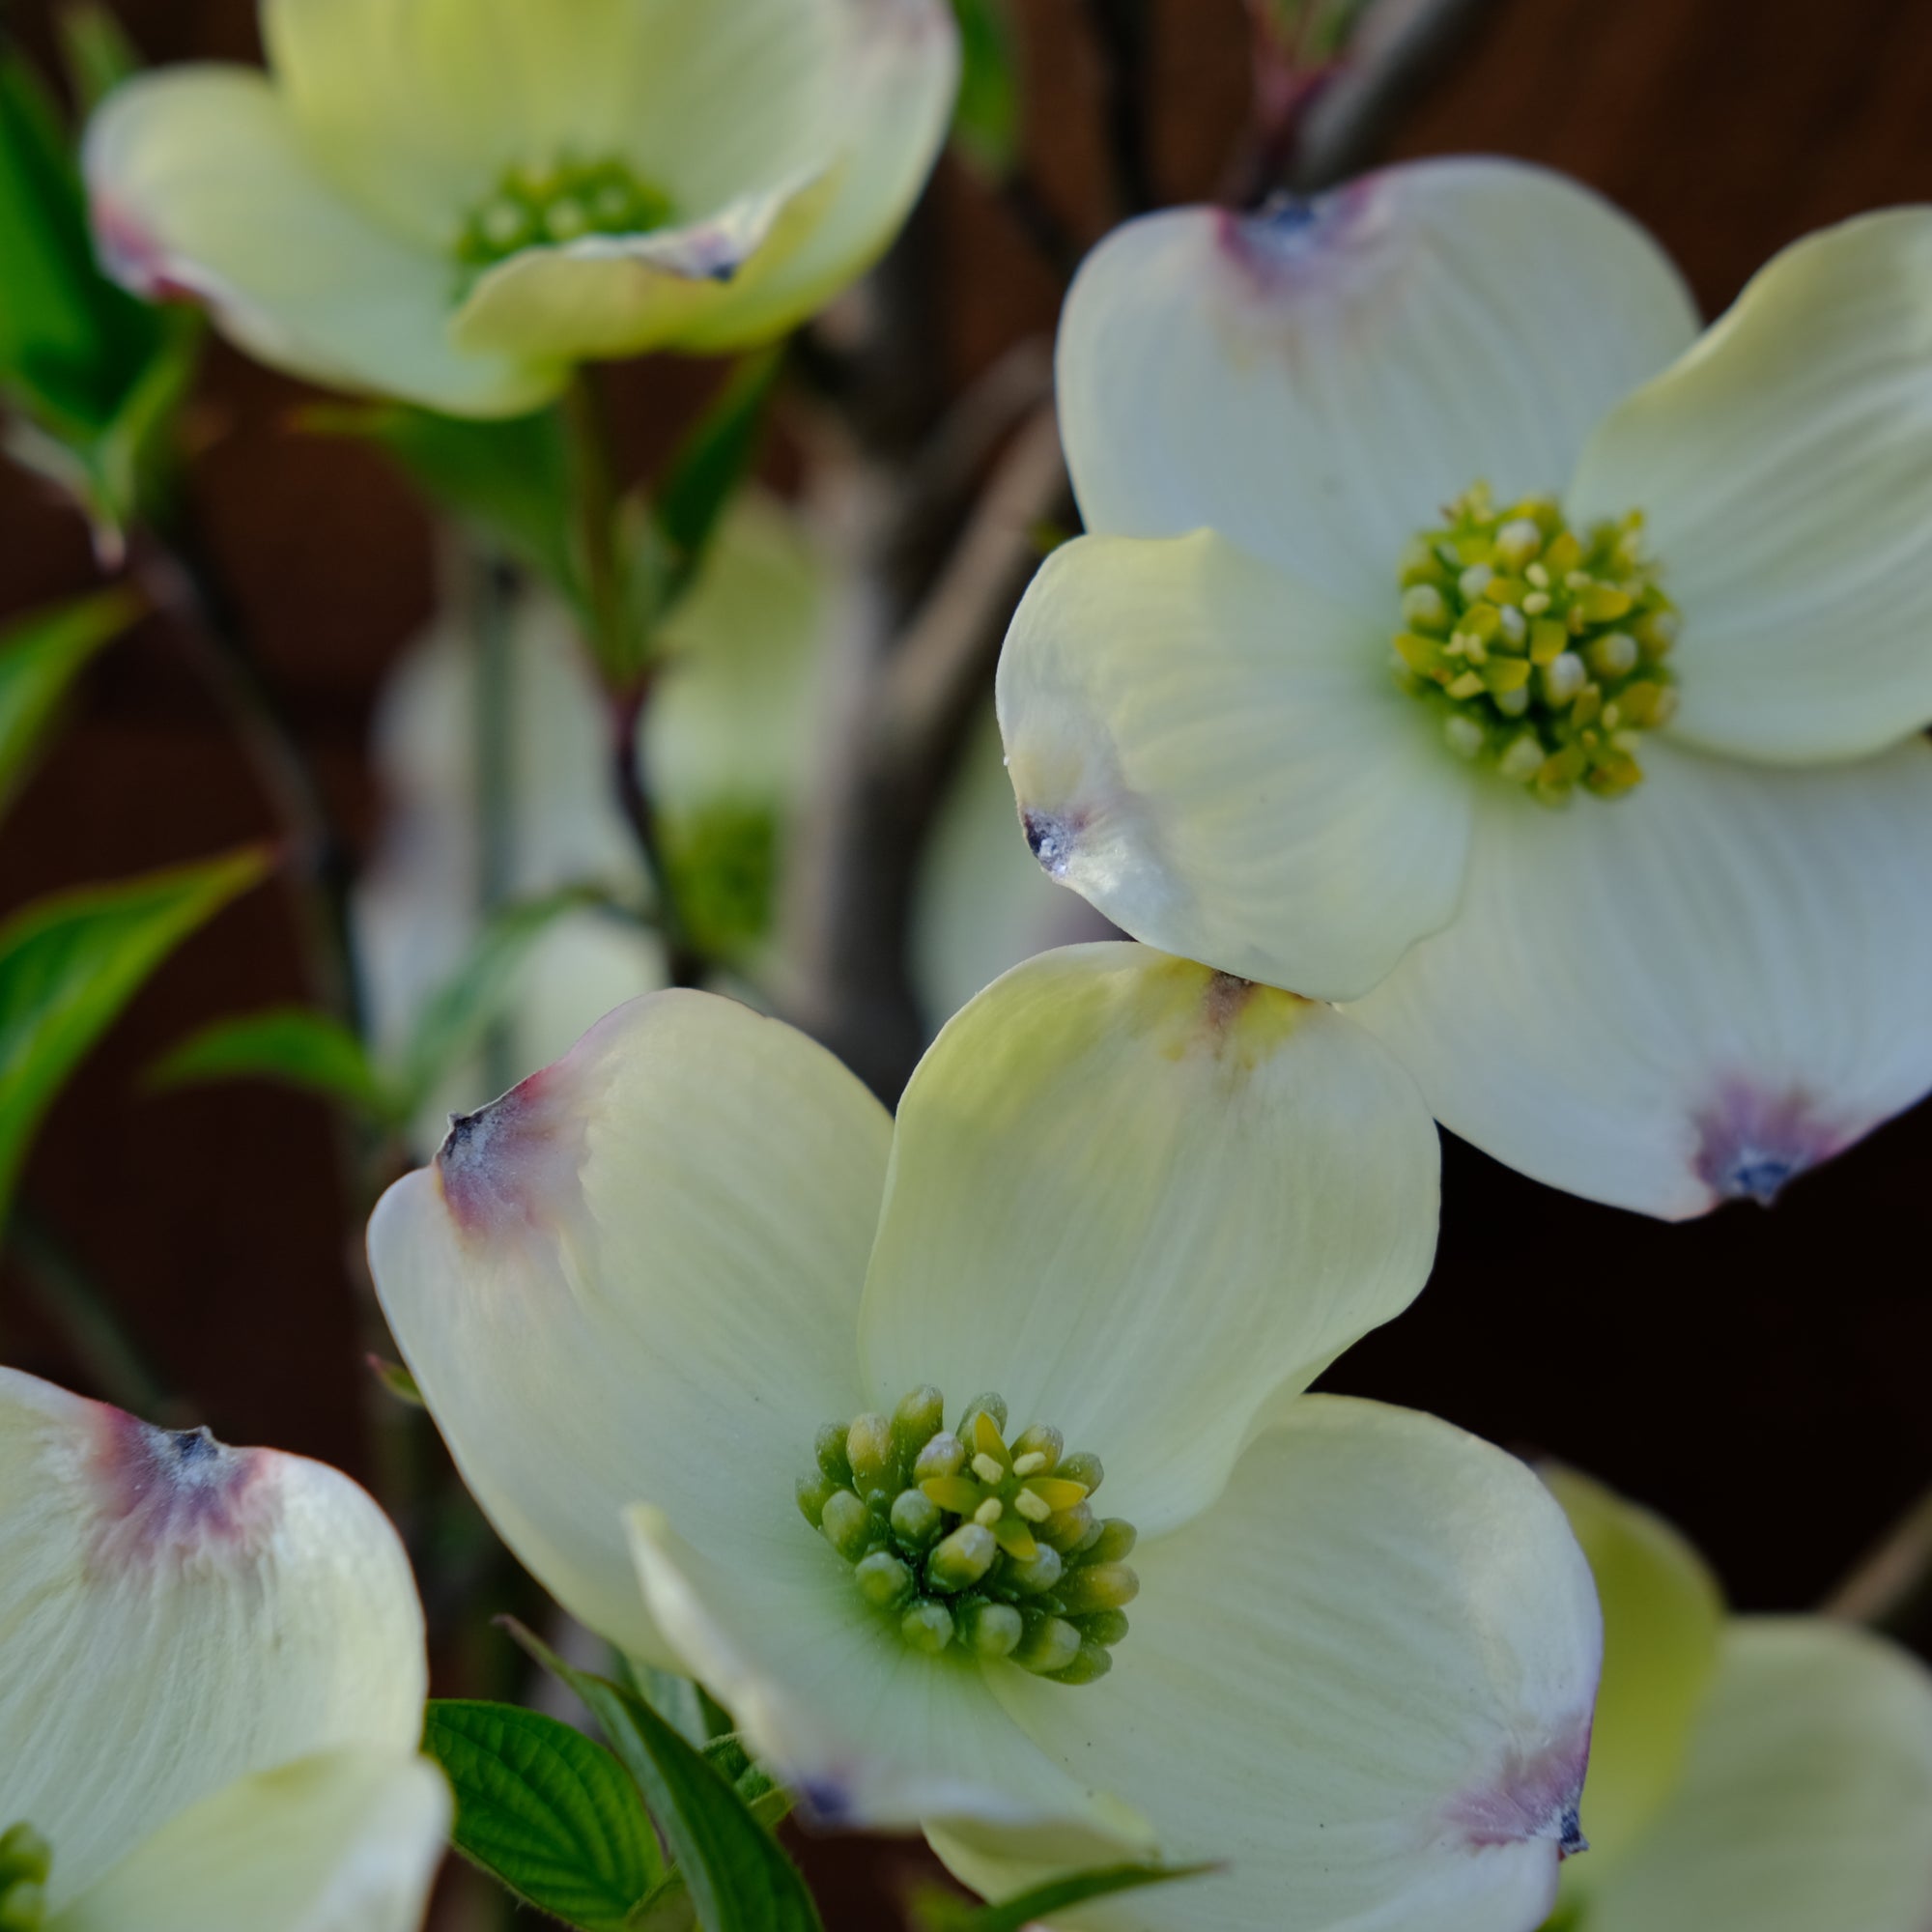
[(1663, 1619), (1316, 381), (1728, 964), (1362, 1680), (1139, 1200), (200, 185), (637, 1276), (865, 1729), (1807, 1797), (1784, 468), (347, 1841), (175, 1615), (1215, 754)]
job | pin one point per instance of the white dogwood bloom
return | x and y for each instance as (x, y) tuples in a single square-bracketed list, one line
[(1422, 509), (1766, 1771), (211, 1685), (454, 201), (1129, 1210)]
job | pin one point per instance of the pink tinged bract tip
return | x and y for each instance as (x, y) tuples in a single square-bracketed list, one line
[(1294, 241), (1751, 1143), (500, 1165), (1537, 1796), (133, 256), (1050, 836), (174, 1493)]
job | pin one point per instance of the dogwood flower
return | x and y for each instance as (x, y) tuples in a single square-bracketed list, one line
[(1768, 1772), (212, 1684), (1422, 510), (693, 1370), (454, 201)]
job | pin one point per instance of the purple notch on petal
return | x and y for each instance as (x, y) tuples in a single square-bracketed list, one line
[(1293, 238), (514, 1163), (164, 1492), (1051, 836), (1751, 1142), (1536, 1796)]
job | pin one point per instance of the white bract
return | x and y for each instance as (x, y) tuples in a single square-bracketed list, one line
[(1601, 796), (1773, 1773), (684, 1304), (454, 201), (211, 1685)]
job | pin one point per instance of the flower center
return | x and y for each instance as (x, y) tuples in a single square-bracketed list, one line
[(960, 1538), (1542, 648), (534, 206), (25, 1861)]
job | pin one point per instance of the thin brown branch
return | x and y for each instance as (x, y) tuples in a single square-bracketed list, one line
[(1890, 1587)]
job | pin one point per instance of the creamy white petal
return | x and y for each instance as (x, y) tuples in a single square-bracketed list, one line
[(1362, 1681), (638, 1275), (173, 1616), (1664, 1617), (1784, 468), (1138, 1199), (893, 77), (1808, 1803), (1315, 383), (866, 1730), (1217, 756), (199, 184), (349, 1841), (1690, 993), (421, 106)]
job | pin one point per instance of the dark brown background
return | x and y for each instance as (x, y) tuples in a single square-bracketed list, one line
[(1760, 1377)]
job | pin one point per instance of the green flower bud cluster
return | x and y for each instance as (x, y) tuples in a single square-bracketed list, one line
[(25, 1861), (538, 206), (962, 1539), (1542, 649)]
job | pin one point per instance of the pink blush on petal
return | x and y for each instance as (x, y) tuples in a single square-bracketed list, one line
[(1751, 1143), (165, 1493), (1536, 1797)]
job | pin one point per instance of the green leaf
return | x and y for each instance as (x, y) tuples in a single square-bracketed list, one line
[(739, 1879), (69, 964), (939, 1912), (96, 51), (396, 1380), (291, 1044), (546, 1810), (462, 1008), (704, 474), (987, 120), (39, 658), (509, 480)]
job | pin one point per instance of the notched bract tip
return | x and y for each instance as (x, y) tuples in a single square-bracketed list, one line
[(1050, 837), (498, 1165), (164, 1490), (1752, 1144)]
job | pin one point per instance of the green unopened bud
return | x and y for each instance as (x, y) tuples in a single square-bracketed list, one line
[(1048, 1644), (989, 1629), (1084, 1468), (1097, 1587), (961, 1559), (829, 1446), (25, 1855), (927, 1626), (982, 1404), (23, 1906), (1040, 1572), (915, 1421), (1090, 1661), (1115, 1543), (915, 1520), (869, 1447), (945, 1455), (1048, 1444), (814, 1492), (1066, 1529), (1103, 1627), (847, 1524), (883, 1579)]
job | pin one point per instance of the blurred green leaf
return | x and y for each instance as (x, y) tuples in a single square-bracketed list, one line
[(703, 476), (96, 51), (546, 1810), (296, 1045), (509, 480), (460, 1014), (39, 658), (738, 1879), (987, 120), (941, 1911), (397, 1381), (69, 964)]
